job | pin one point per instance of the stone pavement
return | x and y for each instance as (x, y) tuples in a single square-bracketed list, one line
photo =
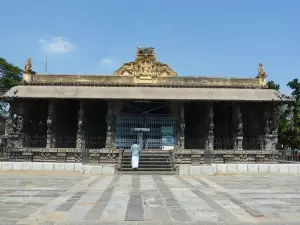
[(56, 198)]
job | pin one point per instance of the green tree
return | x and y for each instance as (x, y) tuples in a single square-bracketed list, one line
[(272, 85), (10, 76), (294, 111), (289, 125)]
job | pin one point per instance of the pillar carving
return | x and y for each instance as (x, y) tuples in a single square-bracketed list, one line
[(53, 123), (271, 117), (116, 110), (209, 143), (239, 135), (182, 126), (80, 131), (175, 113), (275, 119), (9, 127), (15, 124), (49, 124), (210, 127), (109, 121)]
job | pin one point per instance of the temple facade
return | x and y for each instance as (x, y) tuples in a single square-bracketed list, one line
[(92, 118)]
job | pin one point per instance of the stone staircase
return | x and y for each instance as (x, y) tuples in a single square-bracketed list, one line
[(151, 162)]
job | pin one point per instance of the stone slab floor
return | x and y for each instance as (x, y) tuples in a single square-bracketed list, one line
[(69, 198)]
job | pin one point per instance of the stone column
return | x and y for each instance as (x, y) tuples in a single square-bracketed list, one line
[(80, 132), (182, 126), (175, 114), (49, 124), (9, 127), (53, 123), (116, 110), (109, 121), (15, 124), (271, 127), (209, 148), (239, 136), (19, 123), (270, 136), (9, 130)]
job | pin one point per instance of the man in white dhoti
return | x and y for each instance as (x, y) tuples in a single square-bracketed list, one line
[(135, 155)]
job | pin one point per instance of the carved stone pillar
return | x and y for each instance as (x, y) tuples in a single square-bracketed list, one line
[(182, 126), (209, 146), (271, 127), (270, 137), (53, 124), (19, 120), (109, 121), (175, 114), (116, 110), (239, 136), (49, 124), (9, 130), (14, 125), (80, 132), (275, 117)]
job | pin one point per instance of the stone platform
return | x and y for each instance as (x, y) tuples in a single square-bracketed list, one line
[(184, 169), (62, 198), (237, 168), (101, 169)]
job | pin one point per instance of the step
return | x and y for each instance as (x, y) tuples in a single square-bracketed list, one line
[(149, 151), (147, 172), (148, 169), (149, 154), (147, 158), (146, 161), (147, 166), (149, 162)]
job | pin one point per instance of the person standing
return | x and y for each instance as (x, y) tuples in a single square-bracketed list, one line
[(135, 155)]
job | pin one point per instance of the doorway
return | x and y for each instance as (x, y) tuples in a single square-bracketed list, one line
[(147, 129)]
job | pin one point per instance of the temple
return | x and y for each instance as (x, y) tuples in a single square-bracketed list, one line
[(93, 118)]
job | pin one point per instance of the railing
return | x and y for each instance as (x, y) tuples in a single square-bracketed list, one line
[(120, 159), (289, 156), (171, 153), (35, 150), (223, 143)]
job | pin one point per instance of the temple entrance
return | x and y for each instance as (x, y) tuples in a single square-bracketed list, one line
[(150, 131), (149, 123)]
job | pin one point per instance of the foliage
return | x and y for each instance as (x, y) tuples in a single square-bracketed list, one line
[(289, 126), (10, 76), (272, 85), (294, 110)]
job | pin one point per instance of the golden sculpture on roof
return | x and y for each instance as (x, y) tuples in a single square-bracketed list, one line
[(262, 75), (145, 66), (28, 66), (261, 70)]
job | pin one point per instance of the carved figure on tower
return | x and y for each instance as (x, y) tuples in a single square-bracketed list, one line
[(262, 75), (28, 66), (145, 65)]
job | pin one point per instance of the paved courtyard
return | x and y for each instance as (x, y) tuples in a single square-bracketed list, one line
[(57, 198)]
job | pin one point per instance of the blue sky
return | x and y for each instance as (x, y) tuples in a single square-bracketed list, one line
[(195, 37)]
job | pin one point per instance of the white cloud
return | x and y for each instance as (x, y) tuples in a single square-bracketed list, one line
[(107, 62), (56, 45)]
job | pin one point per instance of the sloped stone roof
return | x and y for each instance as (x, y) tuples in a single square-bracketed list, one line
[(153, 93)]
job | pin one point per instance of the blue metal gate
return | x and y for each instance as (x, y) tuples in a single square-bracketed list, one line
[(147, 129)]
